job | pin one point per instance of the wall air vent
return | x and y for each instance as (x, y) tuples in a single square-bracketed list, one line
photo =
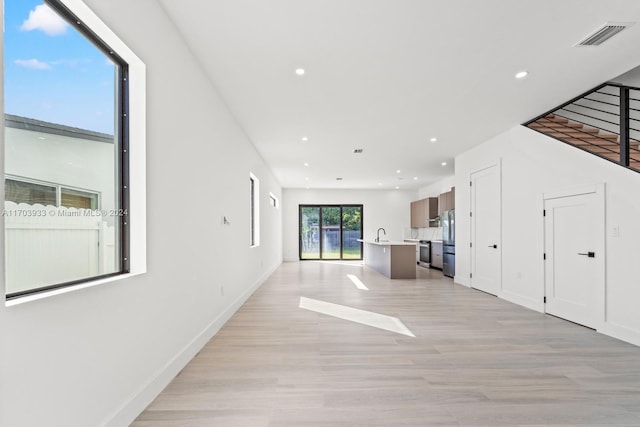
[(603, 33)]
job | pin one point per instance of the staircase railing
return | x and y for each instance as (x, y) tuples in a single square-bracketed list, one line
[(610, 119)]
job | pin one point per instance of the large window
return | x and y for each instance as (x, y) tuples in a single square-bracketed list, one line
[(330, 232), (66, 209)]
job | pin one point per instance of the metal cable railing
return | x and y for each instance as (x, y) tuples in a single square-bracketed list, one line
[(604, 121)]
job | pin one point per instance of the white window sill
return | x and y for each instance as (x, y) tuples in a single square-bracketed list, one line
[(67, 289)]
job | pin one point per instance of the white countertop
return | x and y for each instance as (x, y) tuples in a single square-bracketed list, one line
[(387, 243)]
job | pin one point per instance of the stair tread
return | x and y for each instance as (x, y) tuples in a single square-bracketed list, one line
[(572, 130), (553, 123), (585, 140)]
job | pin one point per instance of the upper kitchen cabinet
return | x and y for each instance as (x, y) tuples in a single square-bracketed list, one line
[(453, 198), (447, 201), (417, 214), (422, 211)]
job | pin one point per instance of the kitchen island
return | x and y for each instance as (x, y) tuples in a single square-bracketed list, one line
[(396, 260)]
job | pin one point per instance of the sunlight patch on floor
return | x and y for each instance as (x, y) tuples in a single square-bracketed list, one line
[(356, 281), (369, 318)]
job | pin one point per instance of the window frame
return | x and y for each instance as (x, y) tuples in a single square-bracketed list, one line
[(320, 240), (131, 97), (254, 211), (274, 201)]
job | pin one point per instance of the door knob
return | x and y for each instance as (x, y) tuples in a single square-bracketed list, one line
[(588, 254), (493, 246)]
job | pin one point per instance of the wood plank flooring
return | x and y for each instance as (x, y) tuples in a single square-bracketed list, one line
[(476, 360)]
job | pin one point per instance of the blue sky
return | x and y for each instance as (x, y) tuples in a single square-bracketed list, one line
[(53, 73)]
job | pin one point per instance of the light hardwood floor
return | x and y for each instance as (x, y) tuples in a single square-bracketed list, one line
[(475, 360)]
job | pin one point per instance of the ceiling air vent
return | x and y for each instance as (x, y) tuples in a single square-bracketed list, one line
[(358, 150), (603, 33)]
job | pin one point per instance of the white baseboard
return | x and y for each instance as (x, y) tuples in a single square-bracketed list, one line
[(620, 332), (523, 301), (136, 403), (463, 281)]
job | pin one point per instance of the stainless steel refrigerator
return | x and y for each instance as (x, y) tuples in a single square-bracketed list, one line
[(448, 219)]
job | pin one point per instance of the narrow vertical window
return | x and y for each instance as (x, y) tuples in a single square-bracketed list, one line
[(273, 201), (254, 195), (65, 151)]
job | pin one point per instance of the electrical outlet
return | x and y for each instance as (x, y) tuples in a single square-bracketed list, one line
[(615, 231)]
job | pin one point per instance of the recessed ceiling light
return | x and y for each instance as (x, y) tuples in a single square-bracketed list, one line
[(300, 71), (522, 74), (398, 171), (306, 164), (379, 183), (433, 139), (397, 188), (305, 139), (306, 178), (444, 163), (415, 178)]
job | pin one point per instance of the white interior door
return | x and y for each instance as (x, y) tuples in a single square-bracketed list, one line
[(574, 252), (486, 248)]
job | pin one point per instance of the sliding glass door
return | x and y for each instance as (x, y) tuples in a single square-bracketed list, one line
[(351, 232), (309, 232), (330, 232), (331, 241)]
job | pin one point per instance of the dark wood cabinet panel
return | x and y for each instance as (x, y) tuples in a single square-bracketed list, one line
[(422, 211), (447, 201), (417, 215)]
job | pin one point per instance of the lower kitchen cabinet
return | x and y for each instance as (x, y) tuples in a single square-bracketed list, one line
[(436, 255)]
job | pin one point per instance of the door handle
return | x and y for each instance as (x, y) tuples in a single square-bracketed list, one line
[(588, 254), (493, 246)]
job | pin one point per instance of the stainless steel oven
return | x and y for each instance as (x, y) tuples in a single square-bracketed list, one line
[(425, 253)]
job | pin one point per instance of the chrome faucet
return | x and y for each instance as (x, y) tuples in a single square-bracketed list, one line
[(378, 235)]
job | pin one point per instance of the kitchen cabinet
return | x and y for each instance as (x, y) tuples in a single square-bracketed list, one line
[(447, 201), (417, 214), (436, 254), (422, 211), (417, 249), (392, 259)]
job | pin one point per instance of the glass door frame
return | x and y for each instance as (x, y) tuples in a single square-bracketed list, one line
[(319, 207)]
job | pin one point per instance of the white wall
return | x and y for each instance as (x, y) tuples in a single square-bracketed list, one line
[(389, 209), (531, 165), (437, 188), (630, 78), (97, 356)]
